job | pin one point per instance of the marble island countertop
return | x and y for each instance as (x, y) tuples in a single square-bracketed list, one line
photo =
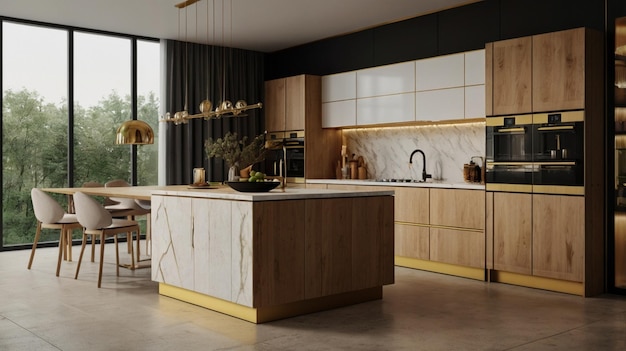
[(427, 184), (226, 193)]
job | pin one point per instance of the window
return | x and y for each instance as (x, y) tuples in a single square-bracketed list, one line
[(48, 143)]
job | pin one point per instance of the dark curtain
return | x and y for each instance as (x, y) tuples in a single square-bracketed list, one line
[(213, 73)]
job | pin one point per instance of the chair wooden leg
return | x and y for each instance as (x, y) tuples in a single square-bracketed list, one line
[(82, 250), (138, 247), (61, 248), (101, 258), (93, 248), (132, 254), (117, 255), (68, 244), (129, 239), (32, 251)]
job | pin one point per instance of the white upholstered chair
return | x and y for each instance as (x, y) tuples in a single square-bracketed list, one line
[(129, 208), (97, 221), (50, 215)]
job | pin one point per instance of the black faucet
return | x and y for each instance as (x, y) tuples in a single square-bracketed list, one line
[(424, 174)]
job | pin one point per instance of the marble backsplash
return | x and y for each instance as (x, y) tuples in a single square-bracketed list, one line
[(386, 151)]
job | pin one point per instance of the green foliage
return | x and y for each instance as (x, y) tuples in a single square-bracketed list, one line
[(35, 152), (236, 152)]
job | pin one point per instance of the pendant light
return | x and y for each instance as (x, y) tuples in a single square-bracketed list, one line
[(134, 132), (225, 108)]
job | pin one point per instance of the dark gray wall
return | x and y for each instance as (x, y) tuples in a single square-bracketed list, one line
[(460, 29)]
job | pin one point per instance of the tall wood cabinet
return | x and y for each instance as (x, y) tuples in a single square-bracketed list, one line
[(539, 73), (548, 234), (511, 76), (294, 104), (286, 102)]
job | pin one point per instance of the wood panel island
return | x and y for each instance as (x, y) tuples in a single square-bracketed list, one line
[(266, 256)]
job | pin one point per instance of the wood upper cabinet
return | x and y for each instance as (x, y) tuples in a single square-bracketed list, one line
[(512, 232), (275, 105), (559, 236), (286, 103), (539, 73), (559, 70), (295, 102), (511, 76)]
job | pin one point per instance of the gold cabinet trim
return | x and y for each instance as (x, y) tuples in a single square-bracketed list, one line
[(519, 120), (568, 287), (568, 116), (439, 267), (513, 188), (559, 189)]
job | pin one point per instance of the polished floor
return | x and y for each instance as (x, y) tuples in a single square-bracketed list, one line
[(421, 311)]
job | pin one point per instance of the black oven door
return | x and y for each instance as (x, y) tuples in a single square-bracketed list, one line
[(294, 160), (559, 173), (509, 139), (274, 162), (509, 151), (510, 173), (558, 144)]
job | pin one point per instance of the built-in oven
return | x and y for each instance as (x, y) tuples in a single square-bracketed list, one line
[(285, 155), (558, 149), (509, 151)]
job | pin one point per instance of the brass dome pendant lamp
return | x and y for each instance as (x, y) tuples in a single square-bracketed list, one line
[(134, 132)]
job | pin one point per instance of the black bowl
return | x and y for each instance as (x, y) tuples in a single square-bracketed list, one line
[(253, 187)]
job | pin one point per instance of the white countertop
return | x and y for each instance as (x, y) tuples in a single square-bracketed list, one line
[(427, 184), (226, 193)]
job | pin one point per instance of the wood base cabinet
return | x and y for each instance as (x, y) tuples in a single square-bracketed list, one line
[(457, 233), (559, 236), (412, 240), (512, 232), (539, 235)]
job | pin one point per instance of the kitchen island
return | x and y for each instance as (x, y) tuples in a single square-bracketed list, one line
[(439, 225), (266, 256)]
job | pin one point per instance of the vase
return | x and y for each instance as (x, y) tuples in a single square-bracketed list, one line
[(245, 172), (233, 174)]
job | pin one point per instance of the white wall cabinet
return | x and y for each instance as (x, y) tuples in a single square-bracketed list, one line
[(340, 86), (440, 72), (442, 104), (337, 114), (385, 80), (385, 109), (475, 67), (475, 101), (450, 87)]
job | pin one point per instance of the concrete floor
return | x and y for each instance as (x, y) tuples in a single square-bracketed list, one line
[(421, 311)]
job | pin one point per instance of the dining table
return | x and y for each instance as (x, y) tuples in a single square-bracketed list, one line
[(141, 192)]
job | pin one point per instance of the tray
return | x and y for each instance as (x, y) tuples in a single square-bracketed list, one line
[(253, 187)]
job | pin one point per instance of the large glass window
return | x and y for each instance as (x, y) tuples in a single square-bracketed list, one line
[(148, 77), (34, 123), (37, 129), (102, 101)]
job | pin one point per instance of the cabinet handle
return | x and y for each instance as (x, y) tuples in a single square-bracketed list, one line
[(556, 128)]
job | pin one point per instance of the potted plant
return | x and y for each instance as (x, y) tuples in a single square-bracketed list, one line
[(236, 152)]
